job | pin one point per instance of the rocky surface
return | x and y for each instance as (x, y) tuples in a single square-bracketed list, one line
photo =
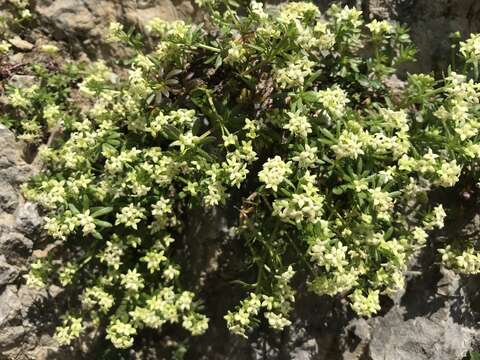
[(21, 330), (431, 23), (84, 22)]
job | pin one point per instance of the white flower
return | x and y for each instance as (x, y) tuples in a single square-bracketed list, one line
[(115, 32), (449, 173), (86, 220), (153, 259), (470, 49), (379, 27), (197, 324), (293, 11), (382, 201), (365, 305), (329, 256), (236, 53), (420, 235), (71, 329), (132, 280), (4, 47), (307, 157), (120, 334), (257, 9), (97, 296), (334, 100), (349, 145), (277, 321), (130, 216), (298, 124), (274, 172), (186, 141), (294, 74), (436, 218)]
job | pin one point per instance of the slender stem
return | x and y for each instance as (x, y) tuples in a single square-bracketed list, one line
[(207, 47)]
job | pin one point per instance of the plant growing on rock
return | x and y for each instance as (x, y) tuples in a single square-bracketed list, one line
[(282, 113)]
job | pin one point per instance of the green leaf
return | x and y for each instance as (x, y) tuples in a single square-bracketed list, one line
[(310, 96), (85, 202), (103, 224), (102, 211), (218, 62), (97, 235), (338, 190), (328, 134), (74, 209), (474, 355)]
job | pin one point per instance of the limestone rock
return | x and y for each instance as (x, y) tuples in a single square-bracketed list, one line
[(21, 44), (84, 23), (28, 219)]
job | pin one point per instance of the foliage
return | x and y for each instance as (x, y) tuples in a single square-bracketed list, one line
[(474, 355), (284, 114)]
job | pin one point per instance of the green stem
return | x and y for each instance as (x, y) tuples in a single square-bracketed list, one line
[(208, 47)]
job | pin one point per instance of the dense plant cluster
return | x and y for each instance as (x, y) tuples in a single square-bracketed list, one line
[(282, 113)]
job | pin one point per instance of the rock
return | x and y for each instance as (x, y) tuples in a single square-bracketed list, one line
[(85, 23), (14, 244), (11, 336), (430, 24), (305, 351), (21, 44), (142, 11), (9, 149), (8, 273), (422, 338), (21, 329), (8, 198), (27, 218), (22, 81), (10, 306)]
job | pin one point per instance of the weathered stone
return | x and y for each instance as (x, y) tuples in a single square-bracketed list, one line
[(430, 23), (420, 338), (8, 198), (13, 243), (8, 273), (21, 44), (22, 81), (85, 23), (27, 218), (10, 305), (11, 337)]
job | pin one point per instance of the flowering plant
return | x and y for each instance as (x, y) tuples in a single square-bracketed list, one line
[(284, 114)]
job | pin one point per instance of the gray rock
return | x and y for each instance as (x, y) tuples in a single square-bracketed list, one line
[(8, 273), (21, 44), (9, 152), (15, 244), (10, 306), (22, 81), (421, 338), (306, 351), (28, 219), (85, 23), (8, 198), (430, 23), (11, 336)]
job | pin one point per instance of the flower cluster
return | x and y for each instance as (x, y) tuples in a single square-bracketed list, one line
[(280, 120)]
